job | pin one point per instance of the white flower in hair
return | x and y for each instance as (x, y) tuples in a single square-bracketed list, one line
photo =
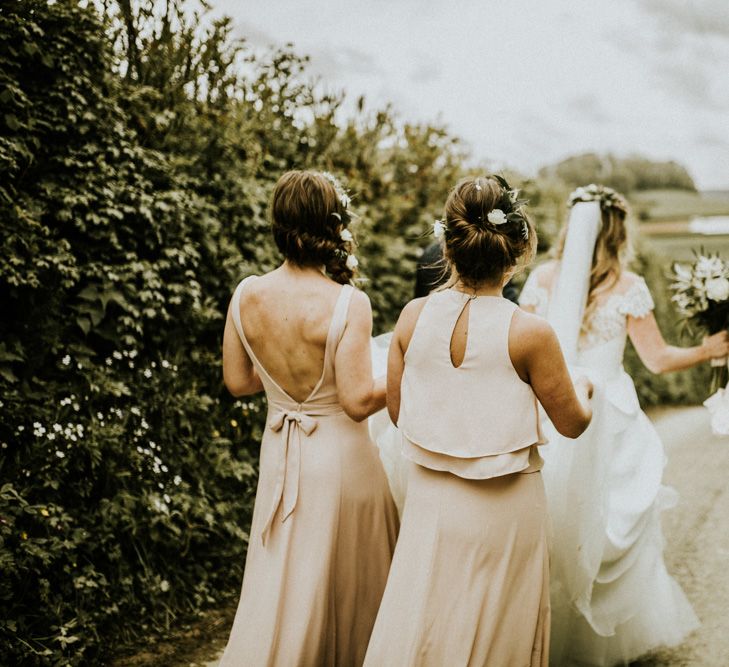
[(346, 235), (497, 217), (438, 228), (352, 262), (513, 195), (344, 198)]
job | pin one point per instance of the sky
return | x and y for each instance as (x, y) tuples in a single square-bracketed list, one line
[(526, 83)]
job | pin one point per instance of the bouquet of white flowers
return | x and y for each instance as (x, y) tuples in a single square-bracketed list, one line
[(701, 293)]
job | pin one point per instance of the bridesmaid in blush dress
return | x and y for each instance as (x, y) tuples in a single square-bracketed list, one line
[(324, 523), (469, 583)]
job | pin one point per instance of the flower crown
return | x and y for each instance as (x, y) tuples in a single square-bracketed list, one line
[(347, 237), (508, 209), (342, 194), (607, 197)]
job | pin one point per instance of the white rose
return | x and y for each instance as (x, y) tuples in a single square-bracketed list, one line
[(497, 217), (438, 229), (346, 235), (352, 262), (709, 267), (717, 289)]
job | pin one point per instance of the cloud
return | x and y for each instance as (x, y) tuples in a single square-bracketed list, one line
[(702, 17), (425, 71), (689, 83), (588, 108), (255, 36), (712, 140), (336, 63)]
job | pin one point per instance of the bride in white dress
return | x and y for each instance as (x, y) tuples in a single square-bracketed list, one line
[(612, 598)]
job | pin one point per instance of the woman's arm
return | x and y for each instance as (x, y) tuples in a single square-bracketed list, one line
[(396, 357), (659, 357), (239, 374), (537, 358), (360, 395)]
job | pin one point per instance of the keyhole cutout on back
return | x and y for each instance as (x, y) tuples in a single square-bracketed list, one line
[(459, 336)]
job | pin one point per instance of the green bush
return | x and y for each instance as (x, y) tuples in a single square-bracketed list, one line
[(128, 479)]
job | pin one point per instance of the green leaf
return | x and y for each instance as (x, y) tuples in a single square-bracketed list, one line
[(11, 120), (7, 374), (85, 324)]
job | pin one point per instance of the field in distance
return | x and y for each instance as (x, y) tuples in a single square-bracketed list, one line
[(679, 205)]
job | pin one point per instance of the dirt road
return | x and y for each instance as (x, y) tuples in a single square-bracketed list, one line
[(697, 533)]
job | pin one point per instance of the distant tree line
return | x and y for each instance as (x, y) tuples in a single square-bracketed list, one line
[(626, 174)]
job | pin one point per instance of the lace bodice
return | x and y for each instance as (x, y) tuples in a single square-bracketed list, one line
[(608, 321)]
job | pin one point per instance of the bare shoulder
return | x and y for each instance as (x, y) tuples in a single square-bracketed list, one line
[(411, 312), (407, 321), (545, 272), (628, 280), (360, 301), (531, 341), (360, 310), (528, 329)]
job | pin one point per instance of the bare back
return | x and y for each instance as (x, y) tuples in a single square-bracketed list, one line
[(286, 317)]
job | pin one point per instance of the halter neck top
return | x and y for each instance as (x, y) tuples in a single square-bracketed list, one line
[(480, 419)]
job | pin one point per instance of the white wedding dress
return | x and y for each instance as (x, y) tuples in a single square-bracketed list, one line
[(612, 598), (385, 433)]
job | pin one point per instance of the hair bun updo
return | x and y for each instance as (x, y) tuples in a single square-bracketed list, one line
[(487, 232), (309, 211)]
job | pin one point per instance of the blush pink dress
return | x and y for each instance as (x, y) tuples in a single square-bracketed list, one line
[(469, 583), (323, 531)]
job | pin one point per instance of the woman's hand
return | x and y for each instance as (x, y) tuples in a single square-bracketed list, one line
[(716, 346), (659, 357)]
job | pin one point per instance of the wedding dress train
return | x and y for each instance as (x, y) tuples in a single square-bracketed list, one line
[(612, 597)]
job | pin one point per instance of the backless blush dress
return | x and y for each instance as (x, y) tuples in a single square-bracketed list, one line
[(323, 531), (469, 583)]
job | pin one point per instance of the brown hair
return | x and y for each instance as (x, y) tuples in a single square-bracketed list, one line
[(477, 250), (612, 250), (308, 216)]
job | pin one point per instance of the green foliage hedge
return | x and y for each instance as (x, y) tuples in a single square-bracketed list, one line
[(138, 151), (126, 488)]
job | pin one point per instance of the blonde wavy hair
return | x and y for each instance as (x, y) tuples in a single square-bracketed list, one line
[(613, 250)]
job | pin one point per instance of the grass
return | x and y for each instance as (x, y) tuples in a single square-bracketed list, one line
[(665, 215), (678, 205)]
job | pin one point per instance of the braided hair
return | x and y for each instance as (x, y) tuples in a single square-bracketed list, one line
[(309, 219)]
